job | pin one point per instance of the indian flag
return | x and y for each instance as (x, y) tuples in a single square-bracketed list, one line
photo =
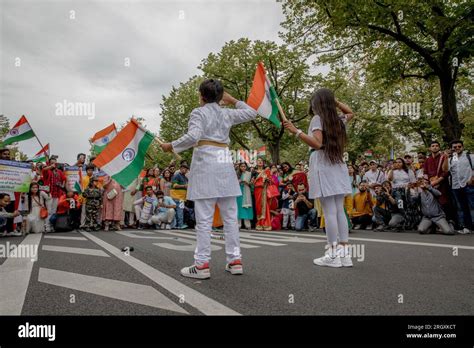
[(102, 138), (261, 151), (263, 97), (41, 155), (124, 156), (20, 131)]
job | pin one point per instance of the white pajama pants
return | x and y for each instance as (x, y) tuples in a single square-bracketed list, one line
[(204, 210)]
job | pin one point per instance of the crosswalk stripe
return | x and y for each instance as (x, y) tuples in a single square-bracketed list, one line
[(376, 240), (64, 237), (15, 276), (120, 290), (241, 239), (192, 297), (242, 245), (83, 251)]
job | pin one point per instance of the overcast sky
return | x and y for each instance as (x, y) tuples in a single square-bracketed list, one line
[(82, 59)]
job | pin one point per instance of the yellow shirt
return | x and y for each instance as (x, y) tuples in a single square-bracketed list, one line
[(362, 204)]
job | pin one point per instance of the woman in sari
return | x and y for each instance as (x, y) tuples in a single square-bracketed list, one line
[(244, 202), (263, 183)]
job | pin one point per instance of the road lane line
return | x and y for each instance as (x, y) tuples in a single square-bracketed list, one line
[(64, 237), (82, 251), (390, 241), (192, 297), (120, 290), (193, 237), (15, 276)]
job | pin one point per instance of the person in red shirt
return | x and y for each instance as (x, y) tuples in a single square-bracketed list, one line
[(433, 171), (69, 203), (55, 179)]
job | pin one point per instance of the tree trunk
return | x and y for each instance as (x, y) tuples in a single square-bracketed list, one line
[(275, 151), (450, 123)]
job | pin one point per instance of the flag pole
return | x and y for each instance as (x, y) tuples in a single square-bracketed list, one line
[(39, 142), (277, 100), (178, 157), (159, 141), (280, 109)]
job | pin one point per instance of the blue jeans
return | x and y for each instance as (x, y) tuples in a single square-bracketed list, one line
[(301, 220), (178, 219), (463, 197)]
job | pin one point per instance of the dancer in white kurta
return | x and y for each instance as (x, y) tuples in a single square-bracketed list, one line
[(212, 178)]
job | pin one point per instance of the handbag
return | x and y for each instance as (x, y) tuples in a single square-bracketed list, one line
[(112, 194), (43, 210), (272, 191)]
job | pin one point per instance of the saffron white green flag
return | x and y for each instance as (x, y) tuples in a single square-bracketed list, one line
[(102, 138), (263, 97), (41, 155), (124, 156), (20, 131)]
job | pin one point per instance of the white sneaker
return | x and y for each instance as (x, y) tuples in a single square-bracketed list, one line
[(162, 226), (235, 267), (345, 256), (14, 234), (328, 261), (168, 226), (464, 231), (197, 271)]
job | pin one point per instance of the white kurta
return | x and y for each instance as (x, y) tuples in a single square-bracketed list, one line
[(212, 173)]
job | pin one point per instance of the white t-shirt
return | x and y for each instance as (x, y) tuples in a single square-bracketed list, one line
[(402, 178)]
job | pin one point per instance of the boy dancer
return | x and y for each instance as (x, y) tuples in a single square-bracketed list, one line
[(212, 178)]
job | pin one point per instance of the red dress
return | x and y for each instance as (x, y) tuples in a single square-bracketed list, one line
[(265, 190)]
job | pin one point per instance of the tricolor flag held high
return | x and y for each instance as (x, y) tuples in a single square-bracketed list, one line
[(263, 97), (42, 154), (262, 151), (20, 131), (102, 138), (124, 156)]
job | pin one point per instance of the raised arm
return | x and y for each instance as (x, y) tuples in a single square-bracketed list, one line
[(192, 136), (242, 113), (346, 110)]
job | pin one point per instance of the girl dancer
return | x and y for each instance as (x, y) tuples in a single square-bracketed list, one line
[(328, 173)]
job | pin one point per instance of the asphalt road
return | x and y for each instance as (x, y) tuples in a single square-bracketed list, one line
[(81, 273)]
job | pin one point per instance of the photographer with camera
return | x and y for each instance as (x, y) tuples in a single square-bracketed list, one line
[(432, 210), (164, 212)]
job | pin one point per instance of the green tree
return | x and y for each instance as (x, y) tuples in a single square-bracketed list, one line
[(392, 40), (235, 66)]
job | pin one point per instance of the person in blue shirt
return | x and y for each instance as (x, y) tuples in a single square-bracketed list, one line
[(164, 212)]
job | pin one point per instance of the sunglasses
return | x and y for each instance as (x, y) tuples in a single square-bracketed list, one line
[(457, 146)]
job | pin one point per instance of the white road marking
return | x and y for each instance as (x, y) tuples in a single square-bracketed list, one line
[(133, 235), (15, 276), (64, 237), (193, 237), (441, 245), (83, 251), (288, 239), (192, 297), (120, 290), (191, 246), (191, 234)]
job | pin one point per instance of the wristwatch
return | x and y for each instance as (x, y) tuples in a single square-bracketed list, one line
[(298, 132)]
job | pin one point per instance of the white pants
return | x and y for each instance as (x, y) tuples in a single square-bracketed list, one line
[(166, 217), (204, 210)]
